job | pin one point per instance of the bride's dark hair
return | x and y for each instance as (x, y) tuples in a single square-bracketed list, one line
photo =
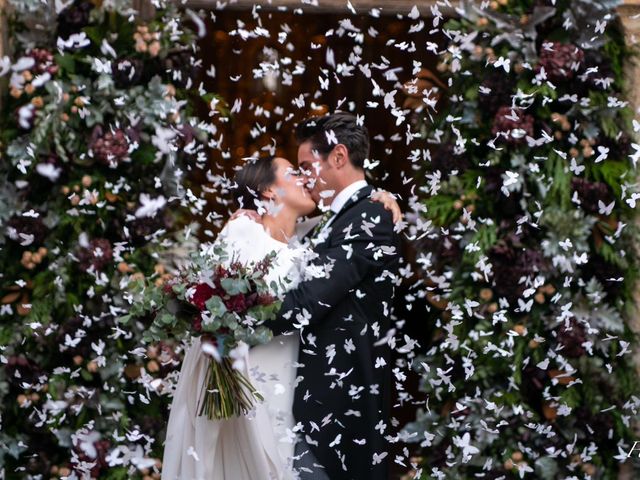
[(253, 179)]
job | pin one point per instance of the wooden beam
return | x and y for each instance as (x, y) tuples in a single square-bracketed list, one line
[(145, 9), (387, 7), (362, 7)]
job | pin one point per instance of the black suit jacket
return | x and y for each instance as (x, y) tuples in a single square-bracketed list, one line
[(342, 397)]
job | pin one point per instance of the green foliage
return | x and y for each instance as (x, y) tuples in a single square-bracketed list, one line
[(560, 191), (611, 172), (532, 343), (441, 209), (69, 367)]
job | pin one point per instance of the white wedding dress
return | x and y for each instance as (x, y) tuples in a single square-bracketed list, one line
[(259, 446)]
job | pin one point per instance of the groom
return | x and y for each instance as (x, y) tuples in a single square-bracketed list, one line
[(342, 397)]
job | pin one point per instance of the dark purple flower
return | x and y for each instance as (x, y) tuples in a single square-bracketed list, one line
[(560, 60), (128, 72), (74, 18), (511, 261), (110, 147), (590, 193), (97, 255), (19, 228), (514, 123)]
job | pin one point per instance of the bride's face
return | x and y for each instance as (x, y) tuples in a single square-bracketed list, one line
[(289, 188)]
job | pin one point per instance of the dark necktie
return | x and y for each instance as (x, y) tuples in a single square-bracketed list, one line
[(323, 221)]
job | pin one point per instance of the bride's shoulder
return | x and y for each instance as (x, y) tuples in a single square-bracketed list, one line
[(242, 227)]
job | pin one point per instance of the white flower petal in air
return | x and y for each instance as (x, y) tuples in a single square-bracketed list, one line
[(49, 171), (149, 206)]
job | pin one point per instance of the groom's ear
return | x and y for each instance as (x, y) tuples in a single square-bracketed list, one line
[(340, 156)]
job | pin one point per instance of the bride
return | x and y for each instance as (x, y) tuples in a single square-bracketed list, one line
[(259, 446)]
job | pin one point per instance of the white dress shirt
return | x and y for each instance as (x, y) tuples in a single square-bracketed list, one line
[(343, 197)]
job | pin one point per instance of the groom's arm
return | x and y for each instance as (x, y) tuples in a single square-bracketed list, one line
[(363, 248)]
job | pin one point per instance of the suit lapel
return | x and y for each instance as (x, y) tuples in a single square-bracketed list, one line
[(357, 197), (360, 195)]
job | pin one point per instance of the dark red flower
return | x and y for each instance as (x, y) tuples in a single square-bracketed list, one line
[(74, 18), (20, 224), (572, 337), (128, 72), (99, 460), (237, 303), (590, 193), (203, 293)]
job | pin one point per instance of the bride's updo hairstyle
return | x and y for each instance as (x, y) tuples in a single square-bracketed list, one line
[(253, 179)]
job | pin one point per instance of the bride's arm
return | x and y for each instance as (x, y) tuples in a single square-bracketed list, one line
[(390, 203)]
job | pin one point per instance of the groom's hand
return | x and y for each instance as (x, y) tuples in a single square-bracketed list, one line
[(252, 214), (388, 200)]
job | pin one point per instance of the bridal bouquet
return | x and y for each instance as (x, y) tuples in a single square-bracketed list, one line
[(224, 302)]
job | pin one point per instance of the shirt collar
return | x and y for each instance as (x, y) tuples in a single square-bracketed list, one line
[(341, 198)]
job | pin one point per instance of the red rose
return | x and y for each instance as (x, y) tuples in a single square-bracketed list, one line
[(203, 293), (237, 303)]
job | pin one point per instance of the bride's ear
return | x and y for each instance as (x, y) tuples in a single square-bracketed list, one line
[(269, 194)]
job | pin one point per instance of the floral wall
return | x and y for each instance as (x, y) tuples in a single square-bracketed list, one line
[(99, 140), (528, 246)]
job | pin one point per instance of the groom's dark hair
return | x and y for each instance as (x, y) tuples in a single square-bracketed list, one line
[(344, 127), (252, 179)]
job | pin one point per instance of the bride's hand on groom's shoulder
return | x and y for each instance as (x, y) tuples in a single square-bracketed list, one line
[(251, 214), (389, 202)]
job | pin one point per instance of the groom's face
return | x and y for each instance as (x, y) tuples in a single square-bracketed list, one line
[(318, 174)]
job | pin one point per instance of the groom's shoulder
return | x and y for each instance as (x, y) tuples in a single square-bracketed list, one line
[(377, 208), (366, 211)]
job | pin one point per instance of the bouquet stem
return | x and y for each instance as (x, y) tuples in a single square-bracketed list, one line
[(228, 392)]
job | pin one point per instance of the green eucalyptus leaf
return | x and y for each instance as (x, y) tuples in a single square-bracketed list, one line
[(235, 286), (216, 306)]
